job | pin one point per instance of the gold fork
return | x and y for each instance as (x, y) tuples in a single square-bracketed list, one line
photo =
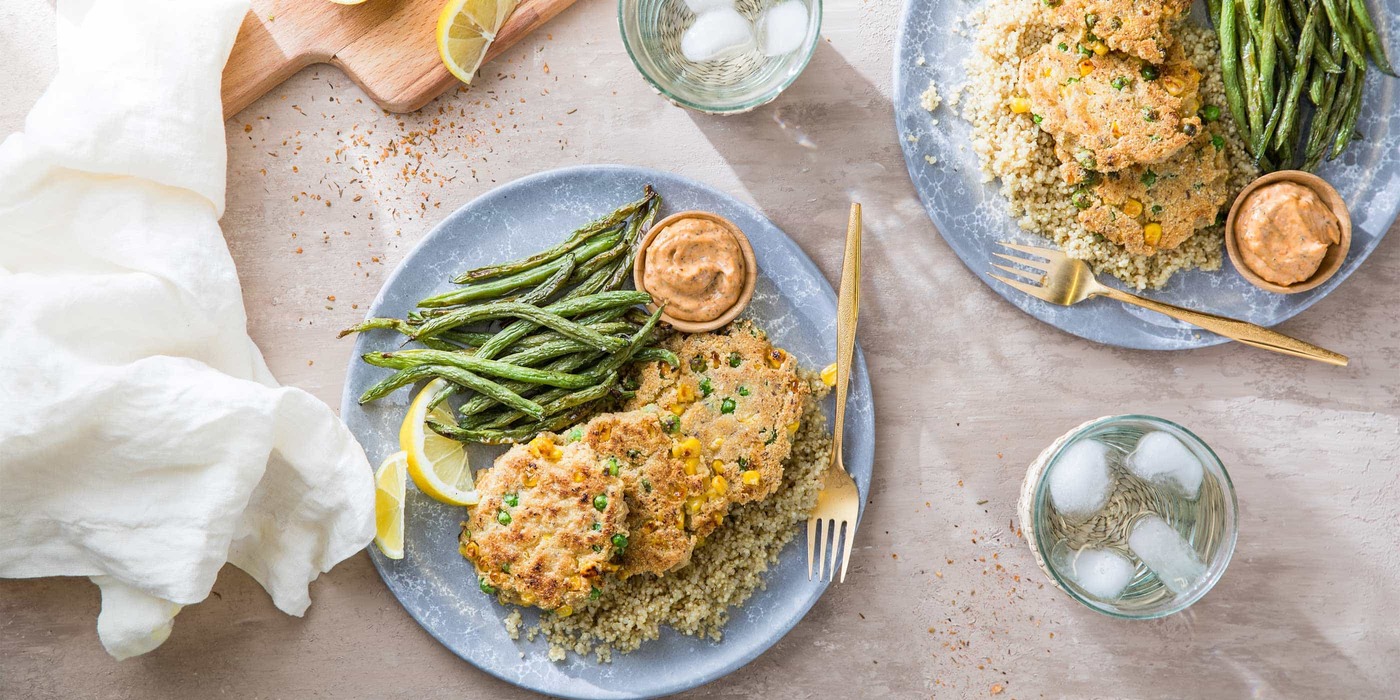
[(1065, 281), (838, 503)]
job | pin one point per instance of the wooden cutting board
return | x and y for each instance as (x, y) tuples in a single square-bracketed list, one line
[(386, 46)]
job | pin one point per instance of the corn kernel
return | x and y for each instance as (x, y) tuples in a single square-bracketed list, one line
[(715, 445), (544, 448), (1173, 85), (793, 426), (776, 357), (677, 409), (829, 375), (750, 477), (1152, 233), (717, 466), (1099, 48), (688, 448), (578, 477), (1086, 67), (719, 484), (531, 478), (527, 599), (1132, 208), (692, 504), (1064, 92), (692, 466), (1117, 132), (685, 393), (1020, 105), (576, 582), (564, 611)]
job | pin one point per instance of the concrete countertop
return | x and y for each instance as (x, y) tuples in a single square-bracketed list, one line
[(327, 194)]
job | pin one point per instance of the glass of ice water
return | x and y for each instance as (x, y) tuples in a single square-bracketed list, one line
[(1133, 516), (720, 56)]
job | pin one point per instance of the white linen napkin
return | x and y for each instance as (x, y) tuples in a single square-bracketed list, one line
[(143, 441)]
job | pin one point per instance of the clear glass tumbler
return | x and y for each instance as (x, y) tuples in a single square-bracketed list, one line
[(652, 29)]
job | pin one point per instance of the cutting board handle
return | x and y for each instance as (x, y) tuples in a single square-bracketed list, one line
[(258, 64)]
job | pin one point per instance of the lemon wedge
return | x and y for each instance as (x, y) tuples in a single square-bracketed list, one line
[(465, 30), (389, 483), (438, 465)]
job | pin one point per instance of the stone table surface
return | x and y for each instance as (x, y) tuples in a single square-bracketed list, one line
[(327, 193)]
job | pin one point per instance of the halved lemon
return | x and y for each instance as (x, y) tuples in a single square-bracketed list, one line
[(438, 465), (389, 485), (465, 30)]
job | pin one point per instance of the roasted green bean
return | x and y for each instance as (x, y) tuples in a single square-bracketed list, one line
[(412, 357)]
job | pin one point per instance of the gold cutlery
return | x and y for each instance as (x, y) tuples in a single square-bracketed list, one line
[(1060, 279), (838, 503)]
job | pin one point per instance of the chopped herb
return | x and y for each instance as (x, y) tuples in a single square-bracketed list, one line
[(735, 359), (1156, 209), (773, 436), (1071, 81), (1149, 178), (597, 547), (505, 567), (1149, 114), (646, 485), (511, 499), (593, 594), (743, 463), (743, 391), (597, 527), (1036, 119), (671, 423), (1062, 46)]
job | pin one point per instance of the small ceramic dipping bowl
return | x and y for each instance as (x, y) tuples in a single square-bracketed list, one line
[(1331, 262), (639, 267)]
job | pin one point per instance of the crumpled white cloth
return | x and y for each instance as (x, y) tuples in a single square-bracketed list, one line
[(143, 441)]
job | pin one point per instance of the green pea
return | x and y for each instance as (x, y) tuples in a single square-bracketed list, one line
[(1119, 83), (600, 502), (1150, 72), (1210, 113), (485, 586), (697, 363), (505, 567), (726, 406), (620, 541), (502, 517), (743, 391), (593, 594), (671, 423), (735, 359), (1148, 178), (576, 434), (706, 388), (511, 499), (597, 526), (613, 466), (646, 485), (1217, 141), (1036, 119)]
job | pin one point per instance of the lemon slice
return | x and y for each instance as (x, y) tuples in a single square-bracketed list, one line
[(348, 2), (465, 30), (389, 485), (437, 464)]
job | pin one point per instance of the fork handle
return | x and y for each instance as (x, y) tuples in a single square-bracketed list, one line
[(847, 309), (1244, 332)]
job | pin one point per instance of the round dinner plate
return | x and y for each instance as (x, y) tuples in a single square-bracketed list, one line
[(973, 216), (438, 588)]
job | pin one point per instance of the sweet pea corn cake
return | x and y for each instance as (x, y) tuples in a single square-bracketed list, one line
[(1103, 120), (665, 513)]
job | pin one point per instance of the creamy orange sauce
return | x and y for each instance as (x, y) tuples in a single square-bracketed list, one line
[(1283, 230), (697, 267)]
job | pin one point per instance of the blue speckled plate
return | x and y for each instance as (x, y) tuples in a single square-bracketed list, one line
[(973, 216), (438, 587)]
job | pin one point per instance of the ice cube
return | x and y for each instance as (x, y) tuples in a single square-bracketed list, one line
[(782, 28), (1162, 549), (1079, 480), (716, 34), (700, 7), (1162, 458), (1102, 573)]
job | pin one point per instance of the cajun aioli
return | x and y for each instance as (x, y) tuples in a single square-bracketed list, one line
[(697, 267), (1283, 231)]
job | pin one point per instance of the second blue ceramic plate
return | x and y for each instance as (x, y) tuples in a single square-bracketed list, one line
[(793, 302)]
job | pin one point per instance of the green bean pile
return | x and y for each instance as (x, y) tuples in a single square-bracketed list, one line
[(1275, 50), (535, 344)]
